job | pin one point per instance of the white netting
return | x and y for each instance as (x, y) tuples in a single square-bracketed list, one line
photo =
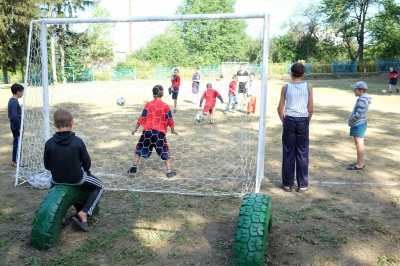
[(216, 159)]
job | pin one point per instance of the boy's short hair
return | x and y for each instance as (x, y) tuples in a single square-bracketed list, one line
[(62, 118), (208, 85), (158, 91), (16, 88), (298, 70), (177, 70)]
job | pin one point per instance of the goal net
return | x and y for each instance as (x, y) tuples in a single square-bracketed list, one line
[(222, 158)]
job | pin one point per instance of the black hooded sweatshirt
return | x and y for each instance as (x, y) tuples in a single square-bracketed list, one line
[(66, 156)]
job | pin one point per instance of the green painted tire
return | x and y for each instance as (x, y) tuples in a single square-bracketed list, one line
[(254, 223), (47, 224)]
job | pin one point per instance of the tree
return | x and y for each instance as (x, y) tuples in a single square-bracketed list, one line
[(99, 38), (61, 9), (306, 26), (165, 50), (349, 18), (15, 17), (384, 29), (212, 42)]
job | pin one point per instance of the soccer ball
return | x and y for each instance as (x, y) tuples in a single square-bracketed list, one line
[(199, 117), (384, 91), (121, 101)]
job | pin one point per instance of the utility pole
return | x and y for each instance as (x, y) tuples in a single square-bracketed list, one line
[(130, 27)]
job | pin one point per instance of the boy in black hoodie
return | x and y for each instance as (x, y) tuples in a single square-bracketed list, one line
[(68, 160)]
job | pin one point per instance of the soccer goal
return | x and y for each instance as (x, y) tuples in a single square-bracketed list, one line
[(223, 158)]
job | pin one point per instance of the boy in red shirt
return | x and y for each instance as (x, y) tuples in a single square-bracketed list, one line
[(232, 95), (210, 95), (156, 117), (393, 79)]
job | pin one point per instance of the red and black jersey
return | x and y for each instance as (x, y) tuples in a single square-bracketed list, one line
[(156, 115)]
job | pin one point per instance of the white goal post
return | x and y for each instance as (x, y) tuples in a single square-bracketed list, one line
[(224, 158)]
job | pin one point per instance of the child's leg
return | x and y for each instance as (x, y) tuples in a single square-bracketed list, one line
[(168, 164), (97, 188), (360, 151), (136, 159), (235, 102), (229, 103), (135, 163), (15, 146)]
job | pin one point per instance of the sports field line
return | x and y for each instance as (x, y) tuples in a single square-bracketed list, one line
[(340, 182)]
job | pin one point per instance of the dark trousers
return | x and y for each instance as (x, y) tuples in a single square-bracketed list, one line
[(295, 144), (15, 145), (96, 187)]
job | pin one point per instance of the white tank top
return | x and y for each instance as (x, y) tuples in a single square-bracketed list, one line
[(297, 99)]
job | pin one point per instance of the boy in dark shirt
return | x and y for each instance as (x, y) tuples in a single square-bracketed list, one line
[(68, 160), (14, 115)]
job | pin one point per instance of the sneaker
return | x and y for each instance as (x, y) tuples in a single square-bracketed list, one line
[(390, 92), (225, 112), (132, 170), (233, 110), (171, 174), (211, 121)]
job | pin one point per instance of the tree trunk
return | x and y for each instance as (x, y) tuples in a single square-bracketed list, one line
[(61, 47), (5, 72), (53, 59)]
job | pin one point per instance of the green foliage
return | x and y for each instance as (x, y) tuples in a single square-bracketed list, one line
[(14, 26), (164, 50), (348, 19), (384, 28), (194, 43)]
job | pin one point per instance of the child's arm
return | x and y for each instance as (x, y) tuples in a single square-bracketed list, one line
[(281, 105), (85, 158), (15, 121), (135, 128), (173, 131), (220, 98), (310, 102)]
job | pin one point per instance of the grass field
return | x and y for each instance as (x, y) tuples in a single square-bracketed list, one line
[(348, 217)]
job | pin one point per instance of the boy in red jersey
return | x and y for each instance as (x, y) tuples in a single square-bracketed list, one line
[(393, 79), (210, 95), (156, 117), (176, 83)]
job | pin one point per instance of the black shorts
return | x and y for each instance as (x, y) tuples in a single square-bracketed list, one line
[(242, 87), (393, 81)]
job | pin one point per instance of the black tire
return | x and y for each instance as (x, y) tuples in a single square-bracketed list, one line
[(254, 223), (47, 224)]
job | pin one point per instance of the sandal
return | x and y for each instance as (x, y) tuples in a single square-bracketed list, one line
[(65, 221), (82, 225), (354, 167), (286, 189), (303, 190)]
